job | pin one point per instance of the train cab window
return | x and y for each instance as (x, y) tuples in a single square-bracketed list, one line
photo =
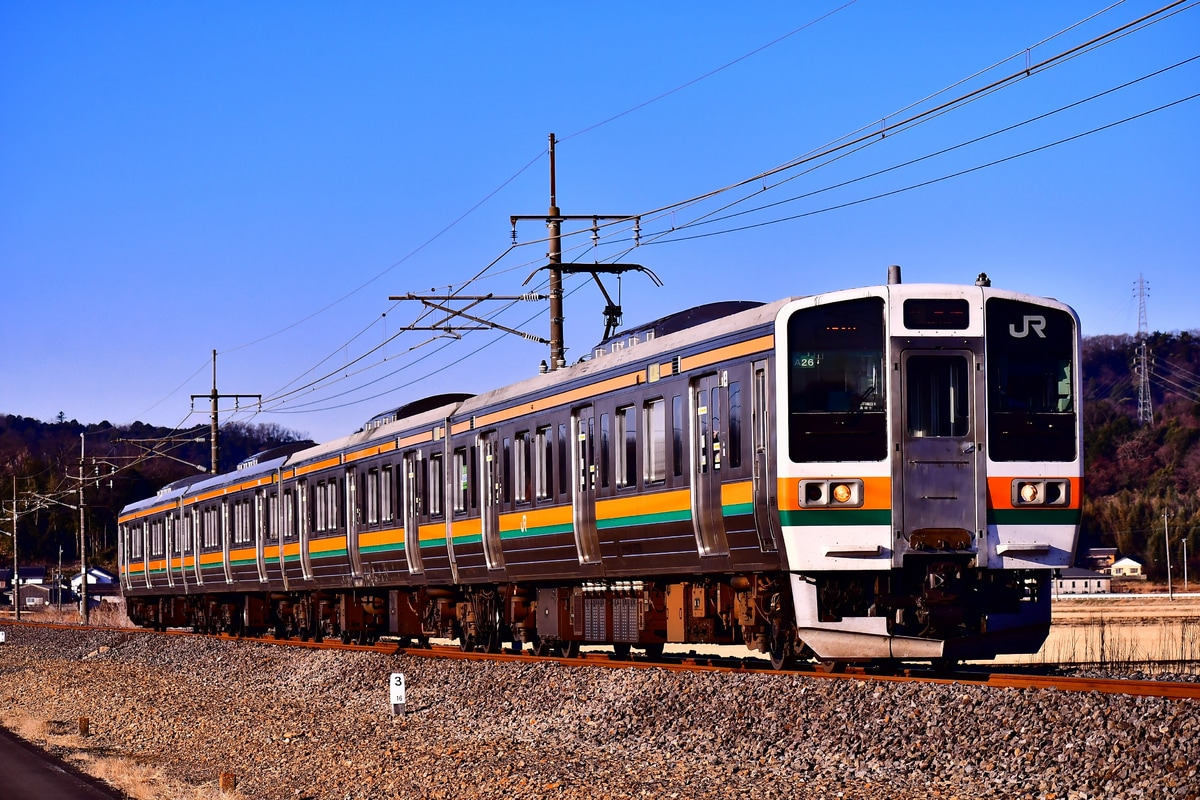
[(437, 480), (655, 438), (543, 463), (386, 487), (626, 447), (1030, 369), (835, 373)]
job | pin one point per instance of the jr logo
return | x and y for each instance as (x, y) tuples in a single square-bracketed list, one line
[(1035, 323)]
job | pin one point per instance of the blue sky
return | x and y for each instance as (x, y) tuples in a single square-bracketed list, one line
[(259, 178)]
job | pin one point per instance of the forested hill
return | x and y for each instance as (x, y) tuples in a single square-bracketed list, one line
[(44, 456), (1136, 473)]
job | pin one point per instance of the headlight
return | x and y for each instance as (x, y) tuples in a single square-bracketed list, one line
[(1041, 492), (823, 493)]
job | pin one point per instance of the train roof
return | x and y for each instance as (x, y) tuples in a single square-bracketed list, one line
[(755, 316), (673, 323)]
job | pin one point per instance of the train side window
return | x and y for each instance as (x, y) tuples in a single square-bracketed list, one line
[(521, 476), (289, 514), (543, 452), (677, 421), (655, 438), (372, 497), (626, 447), (735, 425), (437, 480), (386, 488), (191, 524), (459, 478)]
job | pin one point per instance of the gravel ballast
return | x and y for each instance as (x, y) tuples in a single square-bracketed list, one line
[(300, 723)]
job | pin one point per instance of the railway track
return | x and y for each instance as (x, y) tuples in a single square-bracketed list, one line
[(716, 663)]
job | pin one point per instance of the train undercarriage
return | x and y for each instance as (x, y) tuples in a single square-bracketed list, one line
[(942, 611)]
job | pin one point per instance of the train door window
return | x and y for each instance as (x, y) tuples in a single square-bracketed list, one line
[(734, 454), (506, 470), (938, 397), (543, 463), (459, 479), (677, 422), (437, 482), (169, 526), (289, 514), (372, 497), (155, 539), (759, 422), (655, 438), (191, 530), (521, 474), (473, 477), (626, 447), (386, 487), (604, 450), (564, 486), (135, 541), (302, 512)]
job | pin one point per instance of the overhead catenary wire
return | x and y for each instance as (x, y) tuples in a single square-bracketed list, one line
[(876, 135)]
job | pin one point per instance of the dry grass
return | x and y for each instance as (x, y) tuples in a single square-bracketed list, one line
[(138, 781), (108, 615)]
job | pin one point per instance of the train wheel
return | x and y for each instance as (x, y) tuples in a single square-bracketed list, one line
[(621, 650), (654, 652), (832, 666), (780, 644), (569, 649), (542, 648)]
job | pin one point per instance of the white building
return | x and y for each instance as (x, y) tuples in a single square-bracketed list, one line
[(1081, 581)]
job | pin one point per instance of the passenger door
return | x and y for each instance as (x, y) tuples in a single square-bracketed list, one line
[(706, 457), (940, 497), (583, 491)]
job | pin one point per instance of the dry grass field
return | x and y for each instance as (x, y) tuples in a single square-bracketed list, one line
[(1122, 630)]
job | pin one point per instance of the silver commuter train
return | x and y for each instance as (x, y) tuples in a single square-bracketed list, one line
[(875, 474)]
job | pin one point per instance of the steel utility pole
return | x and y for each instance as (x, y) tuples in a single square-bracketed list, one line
[(554, 219), (84, 611), (16, 581), (214, 396), (1167, 543)]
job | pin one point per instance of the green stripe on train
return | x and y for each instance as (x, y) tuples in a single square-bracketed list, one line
[(1033, 516), (837, 516)]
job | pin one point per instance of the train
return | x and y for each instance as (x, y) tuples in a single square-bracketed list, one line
[(883, 474)]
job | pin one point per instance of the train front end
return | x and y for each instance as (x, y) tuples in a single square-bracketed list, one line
[(929, 468)]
